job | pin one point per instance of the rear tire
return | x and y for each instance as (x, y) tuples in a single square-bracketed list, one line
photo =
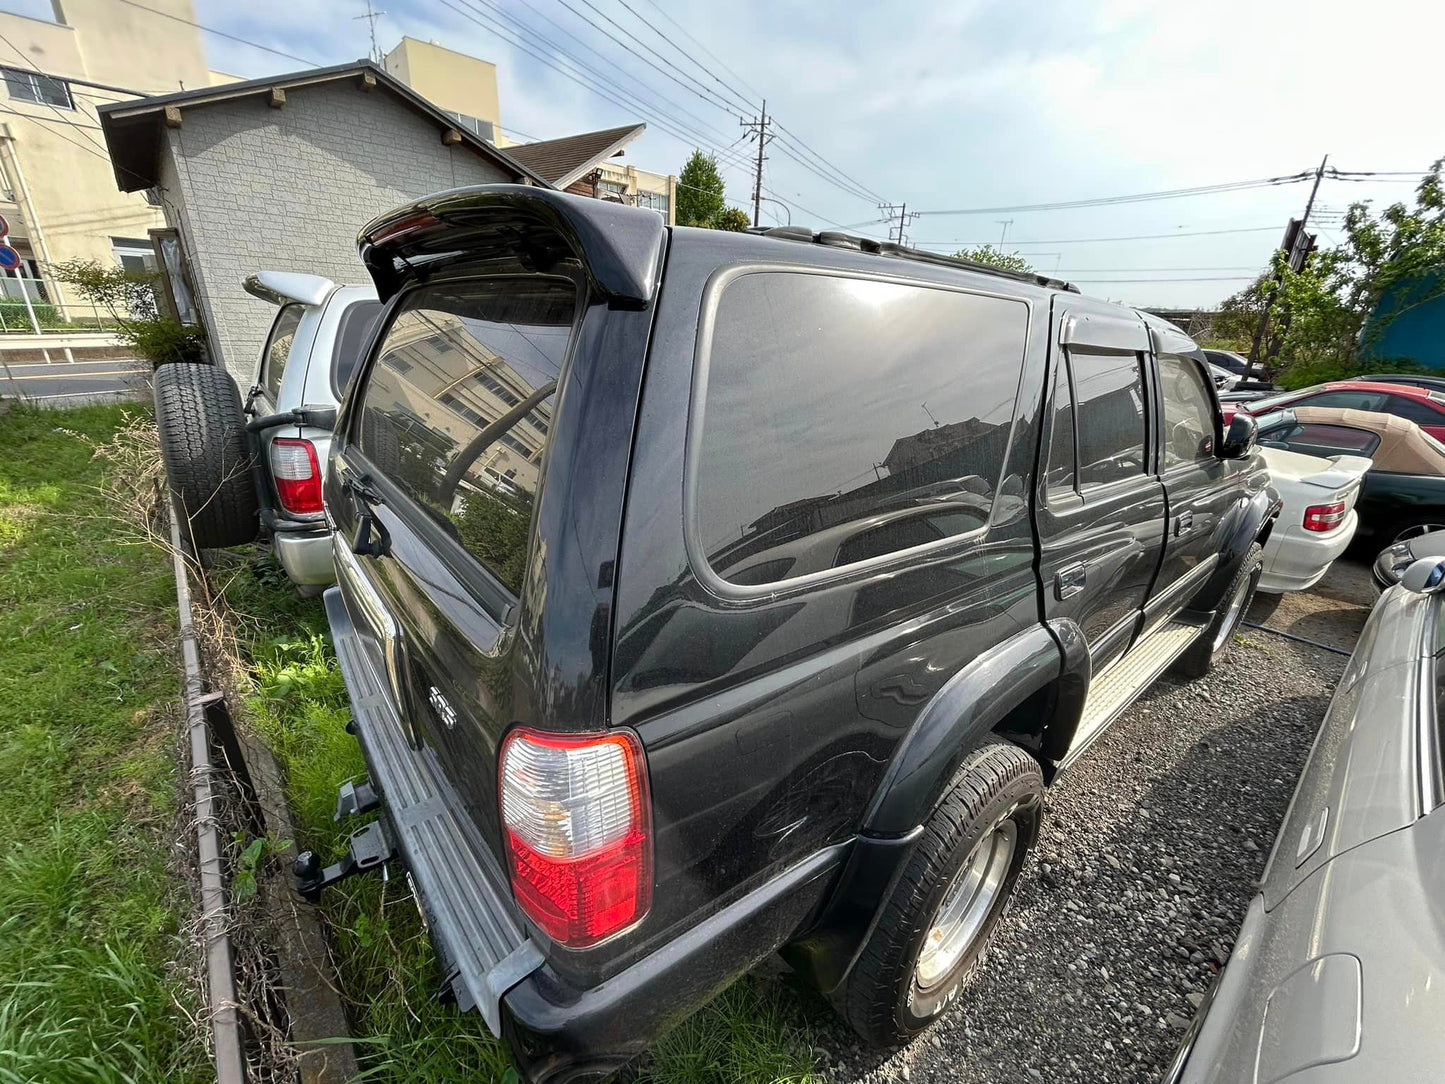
[(916, 960), (206, 454), (1199, 658)]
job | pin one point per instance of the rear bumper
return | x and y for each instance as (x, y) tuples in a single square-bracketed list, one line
[(557, 1031), (306, 557), (1296, 559)]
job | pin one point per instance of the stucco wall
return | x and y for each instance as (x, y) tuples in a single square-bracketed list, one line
[(288, 189)]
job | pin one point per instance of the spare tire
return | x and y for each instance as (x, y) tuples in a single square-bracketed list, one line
[(206, 453)]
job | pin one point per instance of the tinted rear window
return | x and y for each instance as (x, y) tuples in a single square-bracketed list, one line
[(352, 336), (458, 406), (844, 419)]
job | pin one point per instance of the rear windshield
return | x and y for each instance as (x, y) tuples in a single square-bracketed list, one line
[(846, 419), (458, 406), (352, 336)]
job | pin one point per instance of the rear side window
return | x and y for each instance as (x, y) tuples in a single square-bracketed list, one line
[(1109, 416), (352, 336), (1345, 399), (458, 406), (845, 419), (1327, 440), (278, 349)]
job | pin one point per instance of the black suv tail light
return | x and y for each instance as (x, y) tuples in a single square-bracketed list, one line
[(578, 820)]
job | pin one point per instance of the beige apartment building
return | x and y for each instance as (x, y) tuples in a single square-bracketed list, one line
[(57, 188)]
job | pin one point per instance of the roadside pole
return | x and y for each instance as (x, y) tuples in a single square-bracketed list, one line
[(1297, 249)]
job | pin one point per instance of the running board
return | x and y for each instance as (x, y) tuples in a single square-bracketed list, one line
[(1119, 685)]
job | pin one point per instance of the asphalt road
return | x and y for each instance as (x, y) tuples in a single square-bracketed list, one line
[(67, 383)]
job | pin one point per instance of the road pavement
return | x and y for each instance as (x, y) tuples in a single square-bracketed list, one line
[(72, 383)]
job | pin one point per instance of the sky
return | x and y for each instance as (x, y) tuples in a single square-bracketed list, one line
[(950, 105)]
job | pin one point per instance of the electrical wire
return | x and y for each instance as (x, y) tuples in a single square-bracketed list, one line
[(672, 127), (721, 63), (223, 34), (1100, 240), (1138, 197)]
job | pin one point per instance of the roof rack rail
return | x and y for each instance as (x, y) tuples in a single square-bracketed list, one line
[(839, 239)]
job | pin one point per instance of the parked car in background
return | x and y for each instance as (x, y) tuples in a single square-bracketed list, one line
[(1418, 380), (1393, 560), (1404, 490), (242, 471), (1338, 972), (1228, 360), (1224, 380), (1423, 406), (752, 651), (1318, 520)]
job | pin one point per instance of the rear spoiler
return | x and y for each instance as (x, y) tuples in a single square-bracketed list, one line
[(1344, 470), (620, 247)]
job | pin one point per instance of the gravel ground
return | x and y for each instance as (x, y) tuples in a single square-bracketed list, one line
[(1149, 854)]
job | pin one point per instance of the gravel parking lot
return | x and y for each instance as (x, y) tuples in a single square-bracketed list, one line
[(1148, 858)]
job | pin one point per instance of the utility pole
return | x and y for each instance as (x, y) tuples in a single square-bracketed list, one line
[(758, 129), (371, 17), (1296, 246), (898, 213)]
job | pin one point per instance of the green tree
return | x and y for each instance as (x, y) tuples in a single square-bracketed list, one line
[(699, 191), (995, 257), (1323, 318), (129, 298), (732, 218)]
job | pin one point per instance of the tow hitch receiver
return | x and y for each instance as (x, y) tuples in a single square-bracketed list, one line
[(371, 847)]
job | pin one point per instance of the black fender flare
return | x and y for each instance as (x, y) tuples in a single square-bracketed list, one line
[(960, 715), (1251, 515)]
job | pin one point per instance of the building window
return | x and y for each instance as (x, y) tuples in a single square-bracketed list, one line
[(611, 190), (41, 89), (653, 201), (133, 253), (475, 125)]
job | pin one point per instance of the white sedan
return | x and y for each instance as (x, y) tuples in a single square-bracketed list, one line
[(1318, 519)]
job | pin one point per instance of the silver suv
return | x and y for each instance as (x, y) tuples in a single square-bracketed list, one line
[(240, 471)]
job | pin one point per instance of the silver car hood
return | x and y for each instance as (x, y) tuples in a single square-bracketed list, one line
[(1374, 765)]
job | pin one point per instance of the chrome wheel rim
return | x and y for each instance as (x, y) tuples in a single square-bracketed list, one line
[(1417, 530), (966, 904), (1235, 612)]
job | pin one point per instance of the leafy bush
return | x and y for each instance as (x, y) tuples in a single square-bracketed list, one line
[(129, 297)]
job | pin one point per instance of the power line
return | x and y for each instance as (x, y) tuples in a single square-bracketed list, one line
[(723, 64), (672, 127), (523, 27), (828, 172), (1139, 197), (223, 34), (1165, 282), (1100, 240), (1137, 270)]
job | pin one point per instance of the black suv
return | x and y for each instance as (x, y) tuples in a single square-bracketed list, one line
[(705, 594)]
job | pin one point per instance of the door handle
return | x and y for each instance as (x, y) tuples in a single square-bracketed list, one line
[(1184, 521), (1069, 581)]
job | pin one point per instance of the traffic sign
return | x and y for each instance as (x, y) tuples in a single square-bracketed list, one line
[(9, 258), (4, 226)]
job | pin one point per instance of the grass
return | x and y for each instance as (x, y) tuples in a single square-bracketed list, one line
[(389, 976), (89, 913)]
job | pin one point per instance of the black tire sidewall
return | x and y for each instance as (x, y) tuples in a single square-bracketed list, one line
[(918, 1008), (206, 453)]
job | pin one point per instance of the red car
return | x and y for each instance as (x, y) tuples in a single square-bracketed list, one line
[(1423, 406)]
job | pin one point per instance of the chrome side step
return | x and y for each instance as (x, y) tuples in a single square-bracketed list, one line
[(1118, 686)]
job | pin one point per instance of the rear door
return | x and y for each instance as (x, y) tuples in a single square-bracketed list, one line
[(1196, 480), (1101, 510), (444, 451)]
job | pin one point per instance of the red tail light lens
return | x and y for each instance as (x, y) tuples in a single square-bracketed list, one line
[(579, 831), (297, 474), (1324, 517)]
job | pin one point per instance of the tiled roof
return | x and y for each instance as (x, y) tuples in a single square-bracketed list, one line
[(562, 161)]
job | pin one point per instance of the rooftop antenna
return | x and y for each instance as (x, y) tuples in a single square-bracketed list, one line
[(371, 17)]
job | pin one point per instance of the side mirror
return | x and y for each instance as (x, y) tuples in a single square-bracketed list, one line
[(1239, 437), (1425, 576)]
